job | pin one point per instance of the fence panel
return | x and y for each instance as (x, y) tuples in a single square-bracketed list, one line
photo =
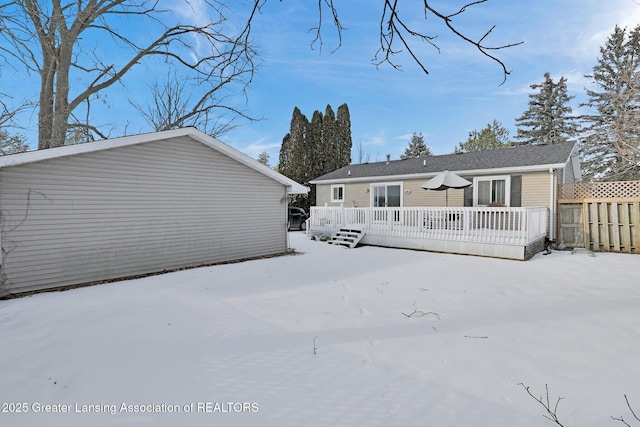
[(603, 216)]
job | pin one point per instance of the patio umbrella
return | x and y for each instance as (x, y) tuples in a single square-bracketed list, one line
[(444, 181)]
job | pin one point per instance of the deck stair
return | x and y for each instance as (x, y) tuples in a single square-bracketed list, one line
[(348, 237)]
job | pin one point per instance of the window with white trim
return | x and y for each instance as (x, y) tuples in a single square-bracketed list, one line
[(337, 193), (492, 190)]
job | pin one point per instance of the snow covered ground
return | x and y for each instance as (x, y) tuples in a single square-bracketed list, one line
[(332, 337)]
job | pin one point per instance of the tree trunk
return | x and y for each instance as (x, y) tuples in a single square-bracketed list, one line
[(45, 113)]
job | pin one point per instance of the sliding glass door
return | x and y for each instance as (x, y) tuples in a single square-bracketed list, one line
[(386, 196)]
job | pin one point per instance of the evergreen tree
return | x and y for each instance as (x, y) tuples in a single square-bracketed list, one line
[(316, 151), (343, 134), (264, 158), (284, 157), (331, 145), (416, 148), (610, 149), (314, 148), (494, 135), (293, 155), (548, 119)]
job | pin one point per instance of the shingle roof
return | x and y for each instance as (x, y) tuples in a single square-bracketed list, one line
[(504, 158)]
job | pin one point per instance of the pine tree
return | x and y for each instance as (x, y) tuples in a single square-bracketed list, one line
[(264, 158), (494, 135), (416, 148), (548, 119), (610, 149)]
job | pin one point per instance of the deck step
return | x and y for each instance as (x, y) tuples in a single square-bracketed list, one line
[(348, 237)]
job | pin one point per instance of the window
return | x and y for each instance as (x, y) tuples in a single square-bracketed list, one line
[(337, 193), (494, 190)]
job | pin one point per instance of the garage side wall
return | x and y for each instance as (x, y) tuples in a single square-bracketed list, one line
[(133, 210)]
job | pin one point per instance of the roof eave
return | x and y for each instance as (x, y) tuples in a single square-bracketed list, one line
[(491, 171), (191, 132)]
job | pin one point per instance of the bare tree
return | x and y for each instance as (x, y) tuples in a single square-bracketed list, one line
[(58, 42), (178, 102), (88, 43), (12, 144), (363, 155)]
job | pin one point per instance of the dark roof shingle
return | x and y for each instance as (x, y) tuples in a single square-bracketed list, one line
[(512, 157)]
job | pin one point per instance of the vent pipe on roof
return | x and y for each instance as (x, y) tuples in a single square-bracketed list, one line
[(424, 162), (388, 158)]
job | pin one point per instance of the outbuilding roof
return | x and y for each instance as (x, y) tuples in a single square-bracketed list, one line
[(504, 160), (110, 144)]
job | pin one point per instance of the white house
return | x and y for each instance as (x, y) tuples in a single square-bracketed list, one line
[(135, 205)]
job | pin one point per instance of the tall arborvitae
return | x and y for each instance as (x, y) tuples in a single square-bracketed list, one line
[(548, 119), (343, 133), (311, 149), (611, 147), (294, 162), (285, 155), (331, 145), (315, 150)]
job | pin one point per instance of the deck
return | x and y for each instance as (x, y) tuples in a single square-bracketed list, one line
[(513, 233)]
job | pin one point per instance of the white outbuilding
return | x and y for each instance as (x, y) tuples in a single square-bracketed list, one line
[(135, 205)]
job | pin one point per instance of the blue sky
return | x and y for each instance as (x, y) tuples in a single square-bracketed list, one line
[(463, 91)]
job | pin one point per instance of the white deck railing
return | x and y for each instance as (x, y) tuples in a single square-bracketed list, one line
[(515, 226)]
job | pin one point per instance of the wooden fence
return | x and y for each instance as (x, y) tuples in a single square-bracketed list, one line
[(601, 216)]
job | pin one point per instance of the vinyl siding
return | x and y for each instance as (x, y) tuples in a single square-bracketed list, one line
[(415, 195), (133, 210), (353, 192), (535, 189), (535, 192)]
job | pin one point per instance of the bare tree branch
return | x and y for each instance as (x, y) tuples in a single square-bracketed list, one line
[(632, 413), (336, 23), (546, 404), (393, 27)]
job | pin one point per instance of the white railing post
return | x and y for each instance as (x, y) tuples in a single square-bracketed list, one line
[(497, 225)]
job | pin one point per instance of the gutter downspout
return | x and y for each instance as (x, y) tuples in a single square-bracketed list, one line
[(286, 222), (552, 205)]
